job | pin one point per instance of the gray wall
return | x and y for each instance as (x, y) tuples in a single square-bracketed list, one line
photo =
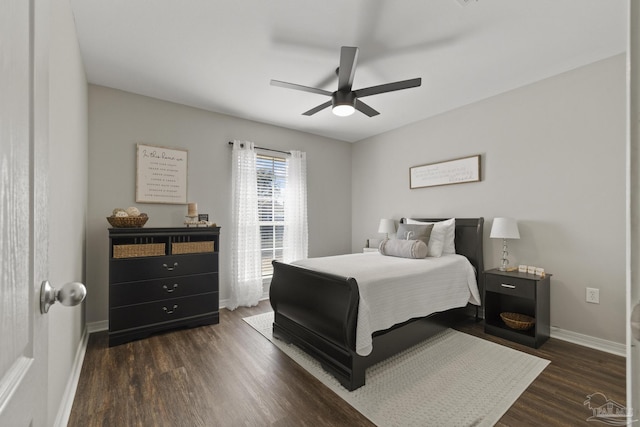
[(68, 148), (553, 157), (118, 120)]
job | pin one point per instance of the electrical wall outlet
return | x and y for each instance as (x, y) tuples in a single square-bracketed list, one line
[(593, 295)]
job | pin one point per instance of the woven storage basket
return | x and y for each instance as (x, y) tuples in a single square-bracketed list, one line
[(191, 247), (518, 321), (133, 251), (127, 221)]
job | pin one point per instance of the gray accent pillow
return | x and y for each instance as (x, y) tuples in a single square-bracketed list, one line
[(403, 248), (415, 232)]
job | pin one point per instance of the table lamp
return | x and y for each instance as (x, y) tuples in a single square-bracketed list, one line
[(387, 226), (504, 228)]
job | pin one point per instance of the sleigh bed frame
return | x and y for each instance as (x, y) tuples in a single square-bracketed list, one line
[(318, 312)]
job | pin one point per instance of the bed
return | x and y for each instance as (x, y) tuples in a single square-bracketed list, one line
[(318, 311)]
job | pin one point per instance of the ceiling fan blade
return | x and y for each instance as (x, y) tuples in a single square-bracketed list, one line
[(388, 87), (300, 87), (347, 69), (316, 109), (364, 108)]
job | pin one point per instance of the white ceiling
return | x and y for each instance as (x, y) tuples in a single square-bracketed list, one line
[(220, 55)]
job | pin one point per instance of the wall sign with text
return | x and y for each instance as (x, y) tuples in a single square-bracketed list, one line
[(454, 171), (161, 175)]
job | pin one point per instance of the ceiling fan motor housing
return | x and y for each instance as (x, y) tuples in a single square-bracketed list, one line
[(343, 98)]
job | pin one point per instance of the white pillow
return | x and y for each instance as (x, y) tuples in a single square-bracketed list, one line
[(443, 234)]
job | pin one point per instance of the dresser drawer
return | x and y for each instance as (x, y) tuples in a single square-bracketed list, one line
[(160, 289), (510, 286), (130, 270), (137, 315)]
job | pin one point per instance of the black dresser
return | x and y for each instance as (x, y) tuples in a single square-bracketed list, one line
[(161, 278)]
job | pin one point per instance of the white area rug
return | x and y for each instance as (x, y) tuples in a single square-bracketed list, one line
[(453, 379)]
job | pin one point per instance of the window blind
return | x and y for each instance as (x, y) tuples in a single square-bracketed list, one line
[(271, 176)]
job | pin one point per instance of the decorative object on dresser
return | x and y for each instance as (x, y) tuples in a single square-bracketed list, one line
[(192, 210), (504, 228), (387, 226), (127, 218), (192, 216), (516, 306), (161, 278)]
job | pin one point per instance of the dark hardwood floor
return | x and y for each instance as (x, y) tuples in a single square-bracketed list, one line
[(229, 375)]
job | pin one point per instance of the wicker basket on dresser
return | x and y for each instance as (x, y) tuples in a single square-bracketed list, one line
[(160, 279)]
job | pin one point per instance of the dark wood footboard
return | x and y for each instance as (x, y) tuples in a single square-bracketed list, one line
[(317, 312)]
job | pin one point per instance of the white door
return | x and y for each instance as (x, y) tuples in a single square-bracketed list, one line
[(24, 27), (633, 247)]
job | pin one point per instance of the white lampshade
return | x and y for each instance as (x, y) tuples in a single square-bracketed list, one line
[(504, 228), (387, 226)]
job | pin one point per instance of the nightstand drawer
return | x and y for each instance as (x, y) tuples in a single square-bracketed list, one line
[(510, 286)]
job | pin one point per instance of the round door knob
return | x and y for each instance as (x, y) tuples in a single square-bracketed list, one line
[(70, 294)]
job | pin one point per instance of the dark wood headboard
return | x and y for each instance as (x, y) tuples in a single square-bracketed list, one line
[(468, 241)]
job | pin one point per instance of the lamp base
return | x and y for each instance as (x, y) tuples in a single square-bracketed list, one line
[(505, 261)]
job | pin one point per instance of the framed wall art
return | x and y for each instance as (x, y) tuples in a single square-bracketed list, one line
[(456, 171), (161, 175)]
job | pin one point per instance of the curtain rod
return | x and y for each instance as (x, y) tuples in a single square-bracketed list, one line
[(263, 148)]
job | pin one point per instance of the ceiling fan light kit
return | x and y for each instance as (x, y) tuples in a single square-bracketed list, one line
[(344, 101)]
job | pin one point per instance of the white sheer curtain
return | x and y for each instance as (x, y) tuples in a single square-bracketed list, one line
[(296, 235), (246, 275)]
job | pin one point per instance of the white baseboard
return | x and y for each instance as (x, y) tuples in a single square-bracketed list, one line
[(224, 303), (102, 325), (64, 411), (588, 341)]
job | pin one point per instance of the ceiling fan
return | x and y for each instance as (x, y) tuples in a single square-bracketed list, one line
[(345, 101)]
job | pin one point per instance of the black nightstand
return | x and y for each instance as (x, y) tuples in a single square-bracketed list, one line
[(518, 293)]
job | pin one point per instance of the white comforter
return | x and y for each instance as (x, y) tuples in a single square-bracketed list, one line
[(393, 290)]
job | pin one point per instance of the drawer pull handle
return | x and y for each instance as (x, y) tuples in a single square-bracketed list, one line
[(175, 264), (508, 286), (169, 290), (170, 311)]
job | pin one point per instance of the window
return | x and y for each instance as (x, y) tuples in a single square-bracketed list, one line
[(272, 178)]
